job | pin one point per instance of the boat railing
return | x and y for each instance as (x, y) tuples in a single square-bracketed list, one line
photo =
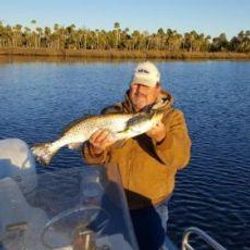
[(202, 235)]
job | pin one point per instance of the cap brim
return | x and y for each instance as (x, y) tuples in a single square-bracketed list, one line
[(143, 81)]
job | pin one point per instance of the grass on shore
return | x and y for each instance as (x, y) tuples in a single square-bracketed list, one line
[(121, 54)]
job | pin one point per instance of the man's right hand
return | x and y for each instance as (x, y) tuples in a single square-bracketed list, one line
[(100, 140)]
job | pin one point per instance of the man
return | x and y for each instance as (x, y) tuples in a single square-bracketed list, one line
[(147, 163)]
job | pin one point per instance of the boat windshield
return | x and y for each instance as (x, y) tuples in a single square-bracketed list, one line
[(76, 208)]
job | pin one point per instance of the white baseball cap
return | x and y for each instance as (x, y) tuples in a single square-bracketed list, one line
[(147, 74)]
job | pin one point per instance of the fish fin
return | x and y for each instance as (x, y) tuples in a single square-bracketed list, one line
[(120, 143), (44, 152), (122, 135), (123, 131)]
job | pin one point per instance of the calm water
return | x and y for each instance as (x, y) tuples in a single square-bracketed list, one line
[(37, 99)]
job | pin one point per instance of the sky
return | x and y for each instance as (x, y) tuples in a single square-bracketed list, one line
[(209, 17)]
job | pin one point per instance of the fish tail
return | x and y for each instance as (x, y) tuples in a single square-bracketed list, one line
[(44, 152)]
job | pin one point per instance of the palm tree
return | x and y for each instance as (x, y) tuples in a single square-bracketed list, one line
[(47, 36), (55, 36), (17, 35), (117, 28), (243, 41), (189, 41), (160, 38), (27, 37), (220, 43), (34, 38), (33, 23), (97, 38), (40, 33)]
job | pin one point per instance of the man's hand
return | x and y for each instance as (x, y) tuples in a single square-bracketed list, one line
[(100, 140), (157, 133)]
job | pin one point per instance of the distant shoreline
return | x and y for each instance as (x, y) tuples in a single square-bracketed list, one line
[(121, 54)]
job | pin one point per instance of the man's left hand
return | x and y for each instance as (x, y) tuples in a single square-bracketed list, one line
[(157, 133)]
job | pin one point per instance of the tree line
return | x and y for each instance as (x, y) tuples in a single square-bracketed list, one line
[(71, 37)]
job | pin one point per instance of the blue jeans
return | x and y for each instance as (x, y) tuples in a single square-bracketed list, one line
[(150, 225)]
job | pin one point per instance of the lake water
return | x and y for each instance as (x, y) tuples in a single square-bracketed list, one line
[(38, 98)]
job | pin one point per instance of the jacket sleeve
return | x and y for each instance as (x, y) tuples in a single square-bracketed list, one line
[(174, 150)]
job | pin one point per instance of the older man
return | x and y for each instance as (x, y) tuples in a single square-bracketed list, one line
[(147, 163)]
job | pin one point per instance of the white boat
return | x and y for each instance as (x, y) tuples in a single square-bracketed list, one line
[(76, 208)]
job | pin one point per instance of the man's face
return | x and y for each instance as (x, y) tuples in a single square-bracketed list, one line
[(142, 95)]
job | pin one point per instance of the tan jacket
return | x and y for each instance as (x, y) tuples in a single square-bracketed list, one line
[(147, 169)]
